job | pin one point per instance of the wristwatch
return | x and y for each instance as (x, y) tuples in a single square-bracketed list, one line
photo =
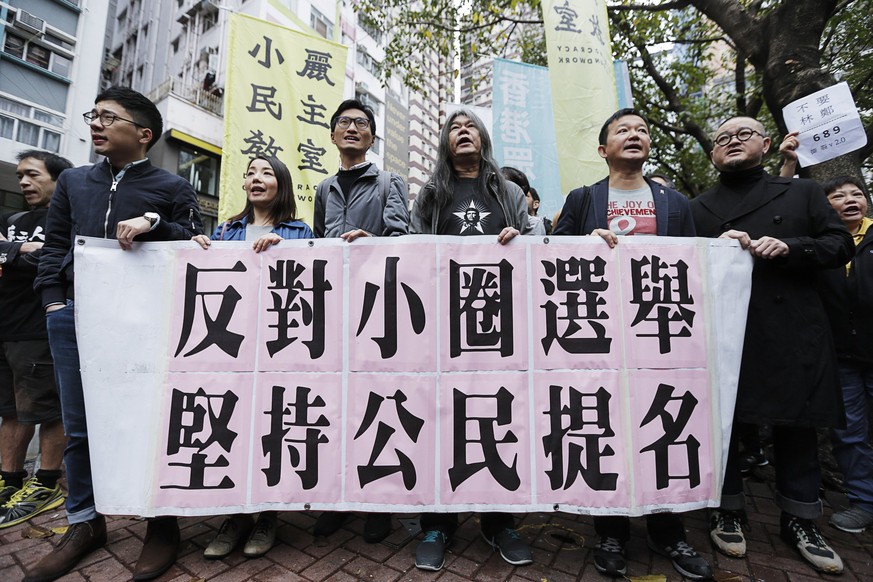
[(153, 218)]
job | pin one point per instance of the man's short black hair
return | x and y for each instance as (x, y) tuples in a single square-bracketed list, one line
[(54, 163), (604, 131), (353, 104), (669, 182), (834, 183), (517, 177), (139, 106)]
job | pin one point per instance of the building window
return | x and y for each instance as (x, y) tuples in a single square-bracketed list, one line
[(369, 101), (321, 24), (51, 141), (38, 55), (28, 133), (365, 60), (58, 41), (200, 169), (374, 33), (28, 125), (61, 65), (208, 20), (7, 127), (14, 46)]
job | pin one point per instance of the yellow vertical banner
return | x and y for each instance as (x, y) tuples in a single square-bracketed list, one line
[(282, 87), (583, 85)]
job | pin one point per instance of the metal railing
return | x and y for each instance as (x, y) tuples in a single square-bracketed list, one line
[(194, 94)]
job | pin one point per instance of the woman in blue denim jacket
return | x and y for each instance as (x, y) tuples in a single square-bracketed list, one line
[(269, 215)]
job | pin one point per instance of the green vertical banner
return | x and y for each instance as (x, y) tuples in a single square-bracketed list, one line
[(583, 85)]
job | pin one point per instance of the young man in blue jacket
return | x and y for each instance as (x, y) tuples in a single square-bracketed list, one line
[(626, 203), (126, 198)]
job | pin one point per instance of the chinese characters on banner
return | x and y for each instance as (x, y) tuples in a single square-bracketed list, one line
[(828, 122), (583, 85), (282, 87), (523, 130), (421, 373)]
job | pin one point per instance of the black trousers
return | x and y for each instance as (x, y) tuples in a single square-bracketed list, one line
[(492, 523)]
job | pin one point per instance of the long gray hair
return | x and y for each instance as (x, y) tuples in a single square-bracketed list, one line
[(439, 190)]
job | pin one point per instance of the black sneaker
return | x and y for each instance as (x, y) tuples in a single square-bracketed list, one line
[(752, 460), (609, 557), (377, 526), (805, 536), (329, 522), (512, 548), (431, 551), (685, 560), (726, 532)]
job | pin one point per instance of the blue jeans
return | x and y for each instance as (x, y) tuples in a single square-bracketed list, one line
[(852, 447), (65, 352)]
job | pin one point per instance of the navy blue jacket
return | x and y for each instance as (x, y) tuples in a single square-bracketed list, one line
[(582, 213), (84, 204), (848, 301)]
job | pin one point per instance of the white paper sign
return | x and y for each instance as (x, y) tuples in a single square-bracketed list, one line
[(828, 123)]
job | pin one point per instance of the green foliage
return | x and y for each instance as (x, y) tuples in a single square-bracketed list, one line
[(683, 68)]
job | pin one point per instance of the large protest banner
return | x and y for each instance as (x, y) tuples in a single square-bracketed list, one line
[(420, 373), (523, 130), (583, 85), (282, 86)]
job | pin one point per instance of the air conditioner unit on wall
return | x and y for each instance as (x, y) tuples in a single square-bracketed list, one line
[(28, 23)]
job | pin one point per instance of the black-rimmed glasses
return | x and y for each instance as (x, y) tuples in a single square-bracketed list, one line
[(106, 118), (745, 134), (361, 123)]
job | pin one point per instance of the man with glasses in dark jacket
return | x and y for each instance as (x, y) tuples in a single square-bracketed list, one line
[(126, 198)]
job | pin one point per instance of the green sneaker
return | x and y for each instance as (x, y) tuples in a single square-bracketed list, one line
[(30, 500)]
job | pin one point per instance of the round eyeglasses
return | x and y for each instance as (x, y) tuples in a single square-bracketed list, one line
[(745, 134)]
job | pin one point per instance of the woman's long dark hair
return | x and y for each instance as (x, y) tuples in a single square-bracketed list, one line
[(283, 207), (438, 192)]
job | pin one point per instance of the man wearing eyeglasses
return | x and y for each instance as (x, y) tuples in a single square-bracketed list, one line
[(360, 200), (126, 198), (788, 377)]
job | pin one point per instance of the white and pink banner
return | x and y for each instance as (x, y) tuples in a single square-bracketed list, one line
[(410, 374)]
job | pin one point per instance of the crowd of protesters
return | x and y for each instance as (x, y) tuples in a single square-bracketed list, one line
[(810, 244)]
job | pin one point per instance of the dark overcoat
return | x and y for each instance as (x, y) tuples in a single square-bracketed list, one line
[(788, 374)]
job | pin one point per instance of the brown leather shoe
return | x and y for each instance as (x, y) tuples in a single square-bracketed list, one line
[(159, 548), (80, 540)]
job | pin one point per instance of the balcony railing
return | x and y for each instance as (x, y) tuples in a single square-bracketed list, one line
[(194, 94)]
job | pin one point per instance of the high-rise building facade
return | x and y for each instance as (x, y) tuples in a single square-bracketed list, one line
[(50, 70), (174, 51)]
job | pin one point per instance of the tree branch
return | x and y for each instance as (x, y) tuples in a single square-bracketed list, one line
[(866, 151), (860, 86), (737, 23), (666, 88), (425, 24), (675, 5)]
